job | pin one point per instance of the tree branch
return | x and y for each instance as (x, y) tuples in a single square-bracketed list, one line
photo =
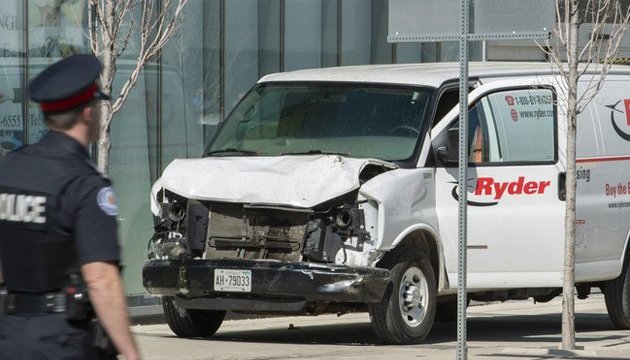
[(156, 29)]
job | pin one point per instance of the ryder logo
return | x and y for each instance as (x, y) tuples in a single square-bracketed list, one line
[(487, 187), (626, 110)]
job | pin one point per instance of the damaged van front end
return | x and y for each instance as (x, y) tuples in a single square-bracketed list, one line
[(298, 238)]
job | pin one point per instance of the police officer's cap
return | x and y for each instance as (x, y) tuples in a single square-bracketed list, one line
[(67, 84)]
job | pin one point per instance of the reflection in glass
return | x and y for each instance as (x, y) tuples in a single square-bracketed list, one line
[(359, 121), (11, 77), (303, 34), (356, 30), (56, 28)]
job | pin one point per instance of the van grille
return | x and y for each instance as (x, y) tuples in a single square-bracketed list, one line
[(236, 232)]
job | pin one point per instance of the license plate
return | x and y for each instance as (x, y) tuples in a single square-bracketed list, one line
[(232, 280)]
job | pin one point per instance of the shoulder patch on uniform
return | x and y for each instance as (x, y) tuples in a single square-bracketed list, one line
[(107, 201)]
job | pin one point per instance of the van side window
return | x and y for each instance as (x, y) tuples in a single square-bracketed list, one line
[(525, 124), (513, 126)]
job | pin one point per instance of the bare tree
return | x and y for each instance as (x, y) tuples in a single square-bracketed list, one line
[(111, 25), (591, 60)]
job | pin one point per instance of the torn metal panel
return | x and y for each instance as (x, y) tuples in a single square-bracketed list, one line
[(299, 181)]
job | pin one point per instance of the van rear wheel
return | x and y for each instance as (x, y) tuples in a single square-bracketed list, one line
[(191, 323), (405, 314), (617, 296)]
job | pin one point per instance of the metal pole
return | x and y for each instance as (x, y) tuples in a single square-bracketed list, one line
[(462, 350)]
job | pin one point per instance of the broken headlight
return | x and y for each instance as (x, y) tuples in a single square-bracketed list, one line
[(169, 240), (169, 245)]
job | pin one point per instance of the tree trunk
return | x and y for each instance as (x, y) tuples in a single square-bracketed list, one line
[(104, 143), (108, 72), (568, 286)]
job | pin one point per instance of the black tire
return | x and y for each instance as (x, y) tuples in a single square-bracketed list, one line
[(617, 296), (191, 323), (393, 321)]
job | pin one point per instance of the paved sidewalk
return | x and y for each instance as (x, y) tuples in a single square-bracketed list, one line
[(510, 330)]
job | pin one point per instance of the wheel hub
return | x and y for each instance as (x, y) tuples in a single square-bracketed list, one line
[(412, 297)]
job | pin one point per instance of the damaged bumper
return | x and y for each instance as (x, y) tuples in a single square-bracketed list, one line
[(192, 281)]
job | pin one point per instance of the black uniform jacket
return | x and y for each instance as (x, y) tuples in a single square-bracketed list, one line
[(57, 212)]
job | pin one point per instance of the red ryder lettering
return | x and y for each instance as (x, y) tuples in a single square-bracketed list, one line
[(487, 186)]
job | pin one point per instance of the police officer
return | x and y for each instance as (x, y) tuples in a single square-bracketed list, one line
[(58, 229)]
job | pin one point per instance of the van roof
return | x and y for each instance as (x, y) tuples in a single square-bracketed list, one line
[(424, 74)]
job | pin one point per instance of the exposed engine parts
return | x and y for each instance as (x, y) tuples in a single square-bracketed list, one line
[(169, 245), (327, 236), (198, 229)]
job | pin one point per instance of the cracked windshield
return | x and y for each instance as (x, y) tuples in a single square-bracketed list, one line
[(358, 121)]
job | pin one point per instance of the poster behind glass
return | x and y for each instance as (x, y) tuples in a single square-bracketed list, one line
[(56, 29), (11, 76)]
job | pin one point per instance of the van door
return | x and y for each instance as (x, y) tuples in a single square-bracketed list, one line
[(515, 205)]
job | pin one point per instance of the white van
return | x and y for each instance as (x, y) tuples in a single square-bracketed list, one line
[(334, 190)]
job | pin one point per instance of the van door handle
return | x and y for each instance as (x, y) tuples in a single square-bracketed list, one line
[(562, 186)]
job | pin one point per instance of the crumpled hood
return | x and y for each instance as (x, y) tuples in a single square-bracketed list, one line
[(299, 181)]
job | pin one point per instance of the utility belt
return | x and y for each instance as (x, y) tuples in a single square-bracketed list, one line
[(18, 303), (73, 301)]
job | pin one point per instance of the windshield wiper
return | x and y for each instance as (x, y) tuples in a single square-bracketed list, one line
[(232, 151), (315, 151)]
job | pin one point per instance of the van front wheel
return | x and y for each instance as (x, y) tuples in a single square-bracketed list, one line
[(406, 312), (617, 296), (191, 323)]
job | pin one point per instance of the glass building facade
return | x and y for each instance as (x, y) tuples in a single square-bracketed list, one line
[(221, 50)]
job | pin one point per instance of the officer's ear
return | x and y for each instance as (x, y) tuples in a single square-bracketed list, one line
[(86, 115)]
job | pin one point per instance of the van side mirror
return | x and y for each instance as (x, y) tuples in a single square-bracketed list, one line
[(448, 154)]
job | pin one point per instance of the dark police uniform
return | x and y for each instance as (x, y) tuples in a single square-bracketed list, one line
[(57, 212)]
